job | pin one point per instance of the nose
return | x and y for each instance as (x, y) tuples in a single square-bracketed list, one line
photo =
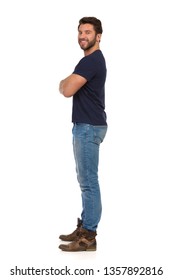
[(81, 35)]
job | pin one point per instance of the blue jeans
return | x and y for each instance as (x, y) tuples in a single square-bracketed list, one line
[(86, 142)]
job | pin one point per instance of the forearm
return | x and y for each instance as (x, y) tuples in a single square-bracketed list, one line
[(61, 87), (65, 87), (70, 85)]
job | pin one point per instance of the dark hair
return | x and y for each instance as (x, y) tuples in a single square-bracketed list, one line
[(94, 21)]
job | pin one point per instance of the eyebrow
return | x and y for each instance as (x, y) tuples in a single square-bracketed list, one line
[(86, 30)]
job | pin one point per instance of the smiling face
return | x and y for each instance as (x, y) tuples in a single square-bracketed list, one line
[(87, 37)]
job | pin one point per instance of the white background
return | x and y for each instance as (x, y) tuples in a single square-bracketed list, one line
[(40, 196)]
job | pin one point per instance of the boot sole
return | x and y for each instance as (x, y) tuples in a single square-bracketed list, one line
[(66, 249), (82, 250), (69, 240)]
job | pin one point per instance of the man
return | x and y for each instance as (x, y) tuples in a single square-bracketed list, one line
[(87, 86)]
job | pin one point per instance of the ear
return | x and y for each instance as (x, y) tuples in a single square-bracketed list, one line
[(99, 37)]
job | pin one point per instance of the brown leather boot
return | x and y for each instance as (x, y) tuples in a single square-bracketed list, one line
[(72, 236), (85, 241)]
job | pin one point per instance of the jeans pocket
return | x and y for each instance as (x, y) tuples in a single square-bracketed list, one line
[(99, 134)]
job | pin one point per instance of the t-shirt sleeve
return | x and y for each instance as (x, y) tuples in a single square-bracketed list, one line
[(85, 68)]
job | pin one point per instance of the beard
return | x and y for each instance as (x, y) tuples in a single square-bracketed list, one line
[(88, 45)]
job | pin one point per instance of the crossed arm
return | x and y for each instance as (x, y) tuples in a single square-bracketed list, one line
[(70, 85)]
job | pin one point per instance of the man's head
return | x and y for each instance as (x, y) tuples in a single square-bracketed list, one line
[(89, 33), (94, 21)]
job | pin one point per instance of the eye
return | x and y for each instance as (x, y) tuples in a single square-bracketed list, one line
[(88, 32)]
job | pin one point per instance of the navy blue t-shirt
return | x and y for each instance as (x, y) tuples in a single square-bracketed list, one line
[(89, 101)]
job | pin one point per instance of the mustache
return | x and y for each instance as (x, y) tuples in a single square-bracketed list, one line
[(83, 40)]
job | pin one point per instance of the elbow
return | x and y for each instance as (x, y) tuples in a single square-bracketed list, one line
[(67, 94)]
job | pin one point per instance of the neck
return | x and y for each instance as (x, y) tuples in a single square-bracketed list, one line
[(91, 50)]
